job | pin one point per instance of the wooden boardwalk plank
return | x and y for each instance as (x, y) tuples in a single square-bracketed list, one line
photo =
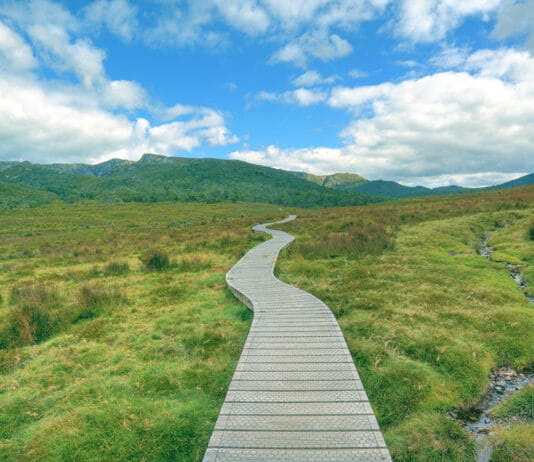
[(295, 394)]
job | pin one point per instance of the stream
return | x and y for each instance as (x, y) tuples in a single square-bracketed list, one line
[(516, 275), (503, 382), (478, 420), (486, 251)]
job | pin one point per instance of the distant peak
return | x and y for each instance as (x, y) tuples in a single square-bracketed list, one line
[(149, 158), (345, 181)]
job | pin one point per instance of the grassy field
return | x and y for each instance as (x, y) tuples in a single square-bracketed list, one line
[(425, 316), (118, 337)]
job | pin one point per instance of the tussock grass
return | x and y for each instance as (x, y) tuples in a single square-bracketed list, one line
[(92, 300), (156, 260), (431, 437), (520, 404), (37, 312), (512, 245), (354, 240), (143, 374), (139, 361), (32, 316), (193, 263), (116, 268), (515, 443)]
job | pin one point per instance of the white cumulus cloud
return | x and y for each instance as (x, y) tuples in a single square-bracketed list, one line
[(313, 78), (300, 97), (119, 16), (431, 20), (319, 45), (80, 114), (244, 15), (516, 18), (15, 54)]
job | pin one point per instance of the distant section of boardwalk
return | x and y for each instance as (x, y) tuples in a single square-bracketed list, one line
[(295, 395)]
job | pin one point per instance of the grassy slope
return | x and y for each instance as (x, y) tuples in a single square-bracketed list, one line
[(514, 243), (139, 362), (13, 196), (424, 315)]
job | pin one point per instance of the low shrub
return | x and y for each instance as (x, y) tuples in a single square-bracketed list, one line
[(156, 260), (531, 231)]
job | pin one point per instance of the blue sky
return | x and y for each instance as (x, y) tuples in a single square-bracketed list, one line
[(431, 92)]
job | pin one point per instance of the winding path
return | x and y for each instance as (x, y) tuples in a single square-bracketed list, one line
[(295, 394)]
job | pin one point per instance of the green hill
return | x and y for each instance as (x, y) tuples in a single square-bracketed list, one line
[(67, 186), (394, 190), (157, 178), (522, 181), (13, 195)]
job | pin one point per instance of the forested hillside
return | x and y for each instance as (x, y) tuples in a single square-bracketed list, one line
[(157, 179)]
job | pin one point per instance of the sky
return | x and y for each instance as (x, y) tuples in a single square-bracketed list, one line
[(424, 92)]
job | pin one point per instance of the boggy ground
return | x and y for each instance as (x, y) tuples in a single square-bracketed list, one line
[(425, 316), (118, 338)]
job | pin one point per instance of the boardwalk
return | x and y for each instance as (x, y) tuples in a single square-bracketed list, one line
[(295, 395)]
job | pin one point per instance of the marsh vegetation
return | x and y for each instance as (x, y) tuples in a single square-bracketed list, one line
[(118, 338)]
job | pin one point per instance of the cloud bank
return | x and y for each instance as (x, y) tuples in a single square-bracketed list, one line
[(80, 113), (476, 120)]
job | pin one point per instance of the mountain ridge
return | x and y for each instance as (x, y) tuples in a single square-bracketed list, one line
[(156, 178), (394, 190)]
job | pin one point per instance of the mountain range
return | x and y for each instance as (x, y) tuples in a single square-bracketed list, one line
[(156, 178), (392, 189)]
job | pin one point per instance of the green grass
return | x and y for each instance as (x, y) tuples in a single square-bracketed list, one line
[(513, 244), (520, 404), (103, 360), (515, 443), (425, 317), (116, 268), (430, 437)]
